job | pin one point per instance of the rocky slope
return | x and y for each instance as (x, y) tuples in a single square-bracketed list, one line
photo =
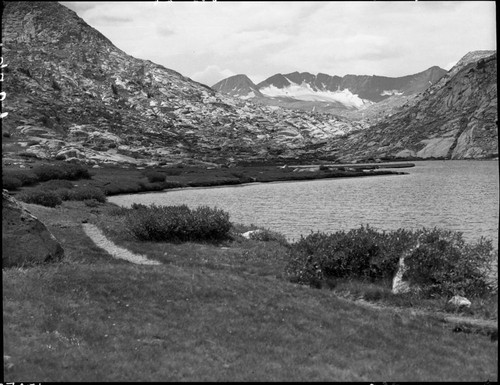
[(456, 118), (72, 94)]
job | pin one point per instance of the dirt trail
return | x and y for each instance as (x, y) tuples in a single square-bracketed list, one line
[(116, 251)]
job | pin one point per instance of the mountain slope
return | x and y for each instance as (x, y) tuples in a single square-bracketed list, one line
[(76, 95), (335, 93), (454, 119), (238, 86)]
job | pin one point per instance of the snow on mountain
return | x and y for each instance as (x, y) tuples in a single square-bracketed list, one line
[(305, 92)]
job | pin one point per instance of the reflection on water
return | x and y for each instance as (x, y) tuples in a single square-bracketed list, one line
[(455, 195)]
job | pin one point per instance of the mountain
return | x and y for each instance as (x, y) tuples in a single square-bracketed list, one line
[(324, 92), (456, 118), (239, 86), (72, 94)]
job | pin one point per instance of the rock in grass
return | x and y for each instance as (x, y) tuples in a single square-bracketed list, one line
[(248, 234), (459, 301), (25, 240)]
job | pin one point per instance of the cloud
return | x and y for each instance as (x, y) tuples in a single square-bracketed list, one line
[(211, 75), (213, 40)]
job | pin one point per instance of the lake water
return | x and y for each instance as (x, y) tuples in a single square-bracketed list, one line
[(455, 195)]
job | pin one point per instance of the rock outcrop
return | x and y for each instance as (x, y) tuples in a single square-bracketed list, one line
[(454, 119), (25, 240)]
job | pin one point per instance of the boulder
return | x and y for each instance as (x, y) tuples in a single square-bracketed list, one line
[(25, 240), (399, 285), (248, 234), (459, 301)]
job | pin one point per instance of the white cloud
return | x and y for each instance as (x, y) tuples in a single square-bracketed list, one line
[(206, 40), (211, 75)]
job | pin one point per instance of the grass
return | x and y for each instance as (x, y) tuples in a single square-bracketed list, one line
[(118, 180), (210, 312)]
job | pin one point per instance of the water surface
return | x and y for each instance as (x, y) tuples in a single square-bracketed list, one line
[(455, 195)]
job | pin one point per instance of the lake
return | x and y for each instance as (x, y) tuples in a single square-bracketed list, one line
[(456, 195)]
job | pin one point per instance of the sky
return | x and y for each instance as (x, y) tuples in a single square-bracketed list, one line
[(211, 40)]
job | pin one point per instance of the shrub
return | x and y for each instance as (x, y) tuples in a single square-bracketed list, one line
[(266, 235), (26, 178), (444, 265), (10, 182), (62, 171), (154, 176), (85, 193), (39, 197), (91, 202), (178, 223), (56, 184)]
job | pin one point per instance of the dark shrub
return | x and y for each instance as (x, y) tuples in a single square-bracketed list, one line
[(39, 197), (444, 265), (25, 177), (62, 171), (266, 235), (91, 202), (10, 183), (178, 223), (173, 171), (84, 193), (56, 184), (154, 176), (26, 154), (6, 134)]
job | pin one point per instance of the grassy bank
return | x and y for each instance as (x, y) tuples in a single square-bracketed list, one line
[(213, 311), (114, 180)]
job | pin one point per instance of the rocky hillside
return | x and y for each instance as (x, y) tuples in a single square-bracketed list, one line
[(456, 118), (239, 86), (72, 94)]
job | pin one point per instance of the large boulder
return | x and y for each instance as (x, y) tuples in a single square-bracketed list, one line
[(25, 240)]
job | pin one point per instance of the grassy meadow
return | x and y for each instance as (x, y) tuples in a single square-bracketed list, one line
[(217, 311)]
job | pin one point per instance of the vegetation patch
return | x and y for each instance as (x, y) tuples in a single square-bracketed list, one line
[(61, 171), (178, 223), (40, 197), (437, 260)]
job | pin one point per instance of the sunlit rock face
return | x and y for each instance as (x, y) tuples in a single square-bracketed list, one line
[(80, 97), (454, 119)]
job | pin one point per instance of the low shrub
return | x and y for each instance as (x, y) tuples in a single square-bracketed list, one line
[(56, 184), (85, 193), (91, 202), (443, 264), (178, 223), (266, 235), (437, 260), (154, 176), (10, 182), (40, 197), (61, 171)]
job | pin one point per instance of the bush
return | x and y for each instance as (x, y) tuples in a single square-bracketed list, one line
[(266, 235), (178, 223), (360, 253), (154, 176), (39, 197), (91, 202), (62, 171), (56, 184), (10, 182), (85, 193), (444, 265), (25, 178)]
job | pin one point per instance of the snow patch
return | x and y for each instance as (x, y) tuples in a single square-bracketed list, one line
[(391, 92), (305, 92)]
